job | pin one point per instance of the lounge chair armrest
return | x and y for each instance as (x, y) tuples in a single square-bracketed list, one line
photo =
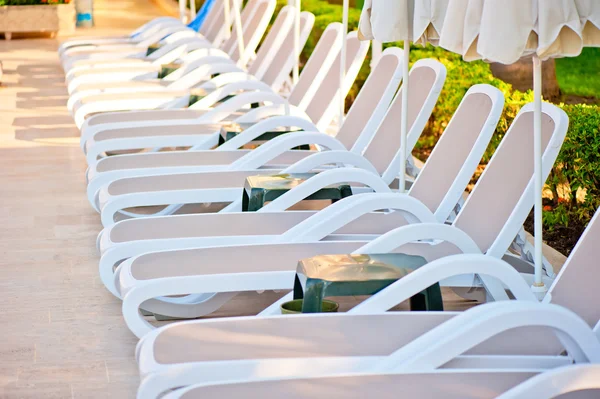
[(335, 216), (324, 179), (279, 145), (231, 89), (441, 269), (264, 126), (142, 103), (481, 323), (200, 74), (161, 35), (222, 111), (558, 382), (197, 51), (281, 109), (341, 157), (225, 79), (403, 235), (432, 231), (100, 77)]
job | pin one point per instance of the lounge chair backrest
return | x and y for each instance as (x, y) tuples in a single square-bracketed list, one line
[(503, 197), (324, 104), (278, 69), (217, 31), (426, 80), (576, 285), (279, 30), (457, 153), (214, 23), (372, 101), (255, 22), (317, 66)]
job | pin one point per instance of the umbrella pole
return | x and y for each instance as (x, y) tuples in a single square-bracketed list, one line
[(376, 50), (239, 33), (538, 285), (193, 9), (343, 61), (182, 16), (296, 71), (404, 118)]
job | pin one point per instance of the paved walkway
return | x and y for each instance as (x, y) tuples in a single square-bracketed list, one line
[(61, 333)]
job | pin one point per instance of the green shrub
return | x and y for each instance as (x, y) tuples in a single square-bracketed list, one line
[(575, 179)]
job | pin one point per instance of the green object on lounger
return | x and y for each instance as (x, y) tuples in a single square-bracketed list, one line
[(231, 130), (260, 189), (348, 275), (295, 307)]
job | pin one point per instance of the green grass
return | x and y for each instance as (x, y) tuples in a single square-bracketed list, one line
[(580, 76)]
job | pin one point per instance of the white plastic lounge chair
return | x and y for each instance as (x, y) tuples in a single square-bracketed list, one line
[(255, 18), (188, 78), (202, 61), (466, 343), (311, 100), (273, 337), (160, 34), (133, 37), (185, 345), (213, 30), (560, 383), (312, 75), (269, 70), (439, 185), (570, 382), (272, 266), (223, 181), (357, 131)]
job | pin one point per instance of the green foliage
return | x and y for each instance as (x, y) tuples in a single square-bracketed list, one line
[(575, 179), (579, 76)]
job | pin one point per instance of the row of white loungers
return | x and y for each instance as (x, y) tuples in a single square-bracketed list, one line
[(189, 265)]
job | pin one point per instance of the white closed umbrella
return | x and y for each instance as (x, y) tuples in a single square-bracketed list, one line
[(418, 21), (505, 31)]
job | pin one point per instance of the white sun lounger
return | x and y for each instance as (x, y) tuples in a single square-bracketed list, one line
[(326, 51), (194, 52), (379, 158), (159, 34), (272, 266), (463, 343), (188, 347), (177, 96), (354, 134), (569, 382), (269, 70), (439, 186), (213, 30)]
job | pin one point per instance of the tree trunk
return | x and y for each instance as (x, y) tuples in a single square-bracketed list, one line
[(520, 75)]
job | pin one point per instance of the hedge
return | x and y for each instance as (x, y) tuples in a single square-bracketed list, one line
[(577, 169)]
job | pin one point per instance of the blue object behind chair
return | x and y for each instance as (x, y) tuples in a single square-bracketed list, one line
[(201, 15)]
